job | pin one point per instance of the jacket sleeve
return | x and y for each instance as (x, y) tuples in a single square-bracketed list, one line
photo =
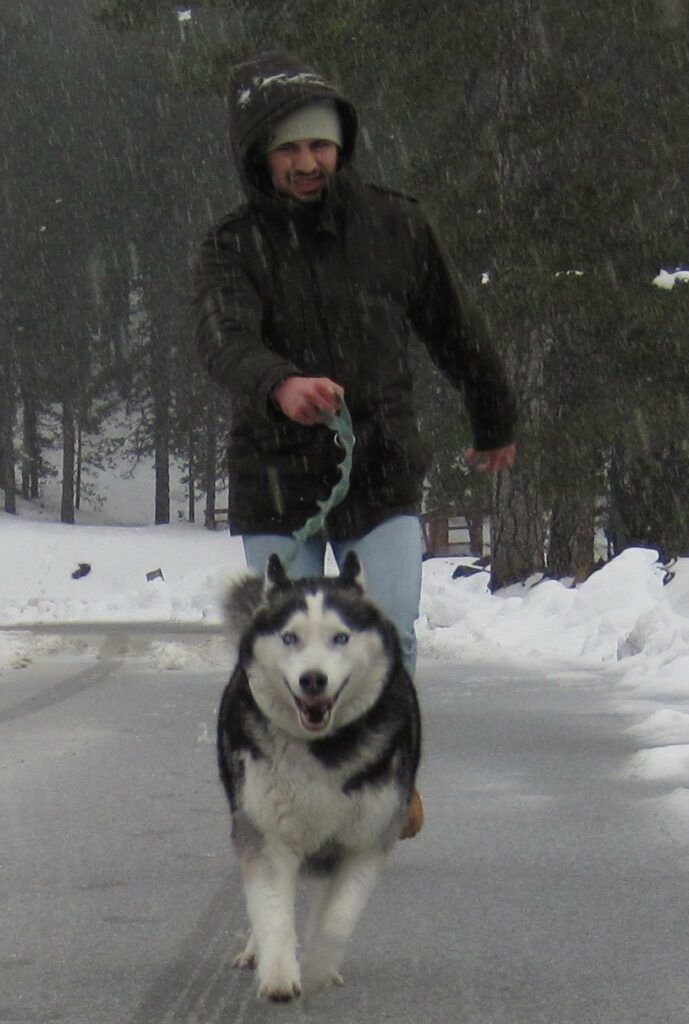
[(458, 341), (229, 316)]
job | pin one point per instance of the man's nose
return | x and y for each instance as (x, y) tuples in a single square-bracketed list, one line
[(304, 161)]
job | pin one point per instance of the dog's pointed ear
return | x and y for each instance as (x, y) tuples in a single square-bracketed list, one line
[(352, 573), (276, 575)]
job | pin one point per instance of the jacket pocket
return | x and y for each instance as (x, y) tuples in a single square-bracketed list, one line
[(390, 459)]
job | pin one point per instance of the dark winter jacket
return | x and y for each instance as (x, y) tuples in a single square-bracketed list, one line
[(335, 289)]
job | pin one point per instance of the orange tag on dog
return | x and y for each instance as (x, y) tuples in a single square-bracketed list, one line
[(415, 817)]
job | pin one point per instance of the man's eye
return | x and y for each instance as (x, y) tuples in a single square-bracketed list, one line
[(341, 638), (289, 639)]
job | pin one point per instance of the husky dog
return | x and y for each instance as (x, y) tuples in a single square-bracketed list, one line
[(318, 746)]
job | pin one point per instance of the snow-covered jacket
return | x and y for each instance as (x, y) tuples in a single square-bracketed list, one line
[(336, 289)]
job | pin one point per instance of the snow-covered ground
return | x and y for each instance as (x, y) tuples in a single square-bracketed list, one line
[(623, 619)]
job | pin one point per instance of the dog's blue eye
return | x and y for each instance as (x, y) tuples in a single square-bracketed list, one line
[(289, 639), (341, 638)]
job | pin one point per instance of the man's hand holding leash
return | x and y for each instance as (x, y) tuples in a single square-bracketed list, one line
[(305, 399)]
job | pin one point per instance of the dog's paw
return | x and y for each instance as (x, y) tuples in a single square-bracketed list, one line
[(319, 977), (248, 958), (280, 983), (279, 990), (245, 961)]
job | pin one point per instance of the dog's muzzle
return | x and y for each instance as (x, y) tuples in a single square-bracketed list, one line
[(314, 708)]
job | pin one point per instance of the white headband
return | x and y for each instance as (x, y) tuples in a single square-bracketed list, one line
[(316, 120)]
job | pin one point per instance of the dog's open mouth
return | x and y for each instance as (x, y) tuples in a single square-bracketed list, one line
[(314, 712)]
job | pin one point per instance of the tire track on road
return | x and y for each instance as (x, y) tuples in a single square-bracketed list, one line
[(109, 658), (200, 986)]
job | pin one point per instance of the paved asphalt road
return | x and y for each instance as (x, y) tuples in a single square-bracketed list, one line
[(544, 888)]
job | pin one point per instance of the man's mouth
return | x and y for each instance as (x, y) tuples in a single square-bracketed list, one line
[(309, 184)]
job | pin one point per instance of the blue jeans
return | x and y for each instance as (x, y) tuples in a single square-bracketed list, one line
[(390, 557)]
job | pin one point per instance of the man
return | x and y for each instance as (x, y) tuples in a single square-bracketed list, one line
[(310, 293)]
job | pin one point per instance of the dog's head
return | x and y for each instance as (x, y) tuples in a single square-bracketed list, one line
[(318, 651)]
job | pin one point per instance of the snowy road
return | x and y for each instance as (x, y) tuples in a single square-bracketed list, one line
[(543, 888)]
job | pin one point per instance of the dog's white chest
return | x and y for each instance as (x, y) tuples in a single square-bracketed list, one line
[(292, 796), (296, 799)]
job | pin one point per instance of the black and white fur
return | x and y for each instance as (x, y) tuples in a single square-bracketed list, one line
[(318, 746)]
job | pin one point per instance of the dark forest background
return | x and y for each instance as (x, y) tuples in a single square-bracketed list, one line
[(548, 141)]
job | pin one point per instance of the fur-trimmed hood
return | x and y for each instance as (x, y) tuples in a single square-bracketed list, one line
[(262, 91)]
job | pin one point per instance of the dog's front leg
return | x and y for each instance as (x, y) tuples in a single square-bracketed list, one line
[(340, 906), (270, 885)]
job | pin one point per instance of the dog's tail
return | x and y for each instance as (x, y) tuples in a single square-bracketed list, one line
[(242, 599)]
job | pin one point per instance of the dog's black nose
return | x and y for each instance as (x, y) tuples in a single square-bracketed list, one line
[(313, 683)]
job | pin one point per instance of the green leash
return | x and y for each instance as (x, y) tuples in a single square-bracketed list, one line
[(341, 425)]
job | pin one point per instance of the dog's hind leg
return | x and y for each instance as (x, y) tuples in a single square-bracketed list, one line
[(341, 906), (270, 885), (318, 893)]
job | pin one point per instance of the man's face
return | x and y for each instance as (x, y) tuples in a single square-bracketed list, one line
[(301, 169)]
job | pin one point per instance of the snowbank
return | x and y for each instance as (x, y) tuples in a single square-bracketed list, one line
[(623, 618), (52, 574)]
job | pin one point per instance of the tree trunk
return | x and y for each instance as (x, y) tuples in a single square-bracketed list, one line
[(517, 529), (159, 377), (475, 527), (7, 481), (160, 385), (77, 482), (649, 498), (162, 483), (572, 530), (210, 467), (518, 516), (517, 521), (31, 451), (192, 483), (68, 460), (7, 413), (475, 514)]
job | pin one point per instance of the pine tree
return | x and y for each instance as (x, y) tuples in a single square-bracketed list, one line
[(543, 138)]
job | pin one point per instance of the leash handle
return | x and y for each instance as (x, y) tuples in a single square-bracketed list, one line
[(341, 425)]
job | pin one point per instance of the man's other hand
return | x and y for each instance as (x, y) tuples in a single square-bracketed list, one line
[(491, 461)]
